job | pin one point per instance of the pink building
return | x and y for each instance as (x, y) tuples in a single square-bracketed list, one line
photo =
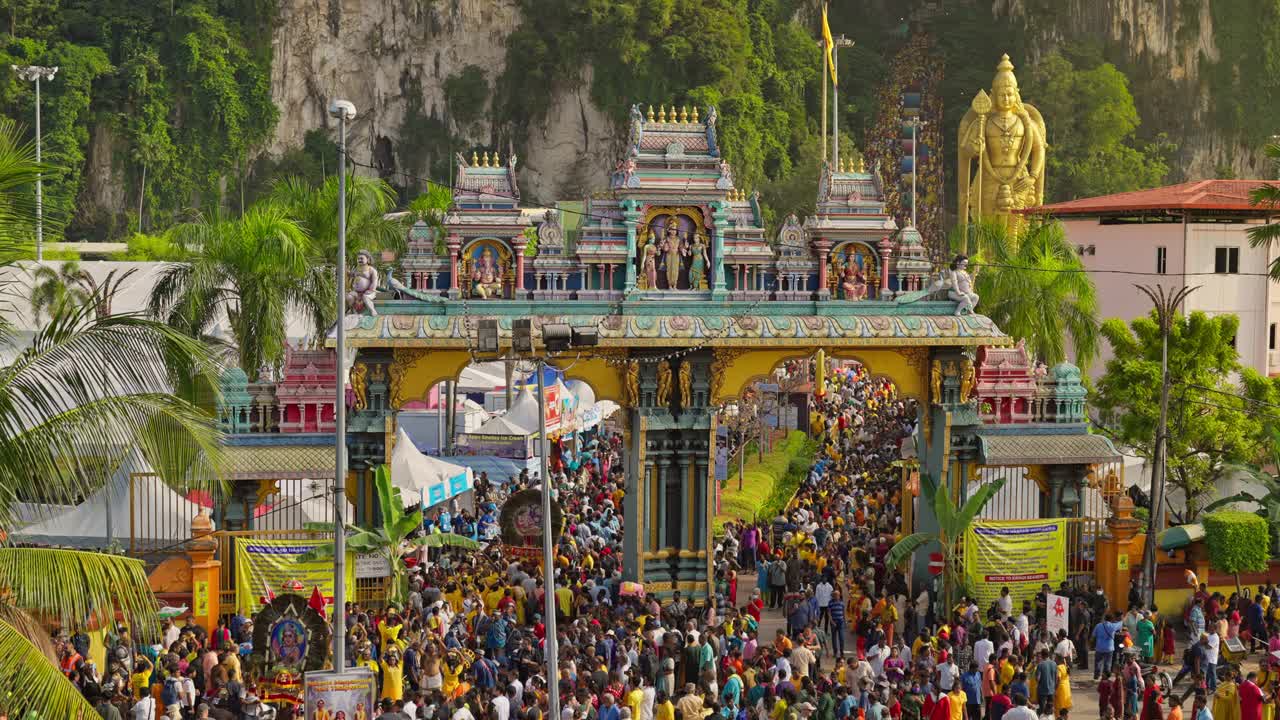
[(1193, 233)]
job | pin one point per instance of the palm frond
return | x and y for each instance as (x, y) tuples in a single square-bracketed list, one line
[(80, 589), (29, 683), (438, 540), (975, 503)]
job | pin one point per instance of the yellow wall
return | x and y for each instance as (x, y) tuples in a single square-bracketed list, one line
[(422, 370)]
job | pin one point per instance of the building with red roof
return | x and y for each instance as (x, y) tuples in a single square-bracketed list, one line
[(1192, 233)]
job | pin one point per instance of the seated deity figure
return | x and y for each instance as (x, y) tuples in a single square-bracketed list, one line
[(364, 285), (486, 276), (960, 286), (854, 283)]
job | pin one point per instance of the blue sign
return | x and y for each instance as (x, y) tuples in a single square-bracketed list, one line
[(457, 484), (435, 494)]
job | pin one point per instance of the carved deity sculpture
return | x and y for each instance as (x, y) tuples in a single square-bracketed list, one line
[(648, 266), (960, 286), (486, 276), (1002, 153), (359, 386), (686, 384), (854, 283), (968, 380), (698, 262), (664, 383), (633, 384), (364, 285), (935, 381), (672, 249)]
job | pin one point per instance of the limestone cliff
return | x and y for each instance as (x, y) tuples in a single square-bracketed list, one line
[(392, 59), (1165, 47)]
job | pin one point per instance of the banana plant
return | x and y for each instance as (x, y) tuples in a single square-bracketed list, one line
[(390, 538), (953, 523)]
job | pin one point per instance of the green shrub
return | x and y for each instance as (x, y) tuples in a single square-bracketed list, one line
[(768, 484), (1237, 541)]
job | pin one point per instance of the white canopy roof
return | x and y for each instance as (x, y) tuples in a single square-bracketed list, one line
[(420, 476), (499, 425), (583, 392), (164, 515), (523, 412)]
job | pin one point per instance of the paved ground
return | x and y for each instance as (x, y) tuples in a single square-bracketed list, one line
[(1084, 690)]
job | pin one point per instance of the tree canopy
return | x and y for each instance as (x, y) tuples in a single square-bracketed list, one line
[(1213, 419)]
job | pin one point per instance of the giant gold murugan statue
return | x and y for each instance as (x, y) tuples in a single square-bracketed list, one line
[(1002, 152)]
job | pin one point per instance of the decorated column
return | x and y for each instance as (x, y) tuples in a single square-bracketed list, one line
[(886, 249), (455, 247), (631, 218), (823, 246), (206, 573), (720, 217), (517, 243)]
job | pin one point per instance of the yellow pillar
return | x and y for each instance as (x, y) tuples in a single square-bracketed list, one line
[(206, 573), (1114, 550)]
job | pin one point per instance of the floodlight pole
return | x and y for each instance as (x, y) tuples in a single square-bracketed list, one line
[(38, 73), (550, 638), (344, 111)]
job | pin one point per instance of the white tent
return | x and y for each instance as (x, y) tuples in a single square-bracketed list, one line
[(524, 412), (160, 516), (499, 425), (427, 478), (583, 392)]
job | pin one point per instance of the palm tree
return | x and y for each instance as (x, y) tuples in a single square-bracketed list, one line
[(85, 385), (1267, 196), (1034, 286), (315, 209), (430, 207), (389, 539), (258, 268), (70, 283), (953, 523)]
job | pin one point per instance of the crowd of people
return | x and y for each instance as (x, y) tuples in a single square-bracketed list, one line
[(826, 630)]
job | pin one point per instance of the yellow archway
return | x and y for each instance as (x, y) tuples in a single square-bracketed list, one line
[(735, 368)]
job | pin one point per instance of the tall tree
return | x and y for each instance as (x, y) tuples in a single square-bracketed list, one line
[(1267, 196), (257, 269), (1034, 286), (85, 383), (1212, 421)]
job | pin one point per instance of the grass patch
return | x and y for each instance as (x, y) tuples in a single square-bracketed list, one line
[(767, 485)]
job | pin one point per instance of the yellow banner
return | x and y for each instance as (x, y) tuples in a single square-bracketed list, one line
[(267, 566), (1018, 554)]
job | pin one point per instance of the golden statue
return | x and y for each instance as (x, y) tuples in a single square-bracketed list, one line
[(686, 384), (967, 381), (1002, 152), (359, 373), (935, 381), (664, 383), (633, 384)]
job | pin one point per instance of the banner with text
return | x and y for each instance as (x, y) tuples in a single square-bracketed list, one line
[(1018, 554), (266, 568)]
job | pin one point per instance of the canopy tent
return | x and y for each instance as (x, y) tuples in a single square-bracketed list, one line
[(523, 412), (430, 479), (299, 502), (149, 511), (1181, 536), (585, 396), (499, 425)]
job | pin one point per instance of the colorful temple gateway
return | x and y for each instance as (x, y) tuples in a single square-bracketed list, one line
[(691, 300)]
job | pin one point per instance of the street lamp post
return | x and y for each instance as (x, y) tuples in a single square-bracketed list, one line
[(37, 73), (345, 112)]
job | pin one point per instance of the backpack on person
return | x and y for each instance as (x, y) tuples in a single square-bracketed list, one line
[(169, 694)]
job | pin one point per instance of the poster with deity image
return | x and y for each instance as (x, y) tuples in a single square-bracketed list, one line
[(349, 696)]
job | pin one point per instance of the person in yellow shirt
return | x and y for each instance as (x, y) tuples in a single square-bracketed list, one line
[(662, 707), (322, 712), (451, 667), (392, 676), (959, 698)]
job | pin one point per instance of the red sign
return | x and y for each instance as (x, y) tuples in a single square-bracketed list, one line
[(935, 564)]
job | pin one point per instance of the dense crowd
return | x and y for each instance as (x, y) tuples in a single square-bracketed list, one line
[(855, 640)]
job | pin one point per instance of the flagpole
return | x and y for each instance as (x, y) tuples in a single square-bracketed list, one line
[(826, 77)]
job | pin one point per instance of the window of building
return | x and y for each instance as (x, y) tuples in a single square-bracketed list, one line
[(1162, 256), (1226, 260), (1271, 337)]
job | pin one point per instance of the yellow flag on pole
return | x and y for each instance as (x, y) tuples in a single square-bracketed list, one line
[(828, 45)]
